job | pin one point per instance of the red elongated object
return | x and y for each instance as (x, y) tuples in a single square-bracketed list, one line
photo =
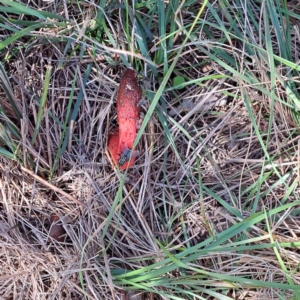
[(128, 114)]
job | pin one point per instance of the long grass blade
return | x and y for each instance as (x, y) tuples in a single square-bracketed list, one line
[(42, 104)]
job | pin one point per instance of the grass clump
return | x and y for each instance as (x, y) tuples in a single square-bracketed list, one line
[(210, 209)]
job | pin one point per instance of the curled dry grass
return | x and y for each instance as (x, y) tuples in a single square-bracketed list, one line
[(202, 174)]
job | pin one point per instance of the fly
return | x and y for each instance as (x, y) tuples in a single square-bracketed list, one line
[(126, 155)]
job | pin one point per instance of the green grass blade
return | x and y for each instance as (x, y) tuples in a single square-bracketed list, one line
[(7, 154), (272, 73), (22, 9), (42, 104), (8, 91), (18, 35)]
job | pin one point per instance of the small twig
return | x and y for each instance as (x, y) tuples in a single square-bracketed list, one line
[(53, 187)]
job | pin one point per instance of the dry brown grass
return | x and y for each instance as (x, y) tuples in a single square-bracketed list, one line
[(162, 197)]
